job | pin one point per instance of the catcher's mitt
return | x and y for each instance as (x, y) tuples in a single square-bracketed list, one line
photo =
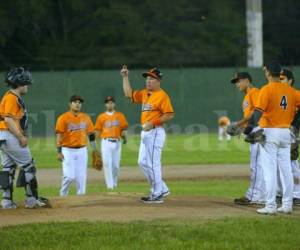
[(256, 137), (97, 160), (233, 129)]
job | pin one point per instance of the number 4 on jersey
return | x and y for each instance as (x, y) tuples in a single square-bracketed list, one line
[(283, 102)]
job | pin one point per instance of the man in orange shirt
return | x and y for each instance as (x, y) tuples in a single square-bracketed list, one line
[(72, 130), (156, 110), (13, 142), (275, 111), (223, 123), (287, 77), (255, 193), (110, 127)]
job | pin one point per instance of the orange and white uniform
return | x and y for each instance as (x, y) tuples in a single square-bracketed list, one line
[(13, 106), (278, 102), (154, 105), (256, 190), (110, 126), (74, 130), (223, 123), (12, 153), (249, 101)]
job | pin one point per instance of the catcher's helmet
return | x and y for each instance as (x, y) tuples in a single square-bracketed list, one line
[(18, 76)]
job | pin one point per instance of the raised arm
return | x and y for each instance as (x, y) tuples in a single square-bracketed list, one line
[(126, 84)]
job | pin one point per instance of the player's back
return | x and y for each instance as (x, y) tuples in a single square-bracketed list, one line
[(278, 101)]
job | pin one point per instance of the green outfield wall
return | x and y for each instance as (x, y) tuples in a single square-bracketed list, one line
[(199, 96)]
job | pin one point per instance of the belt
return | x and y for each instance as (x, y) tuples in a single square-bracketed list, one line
[(74, 147), (112, 139)]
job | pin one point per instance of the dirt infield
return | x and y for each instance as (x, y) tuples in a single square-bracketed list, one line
[(117, 207), (120, 208)]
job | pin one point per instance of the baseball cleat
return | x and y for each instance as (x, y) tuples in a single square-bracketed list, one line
[(285, 210), (32, 203), (265, 210), (259, 203), (242, 201), (296, 202), (152, 200), (165, 194), (8, 204), (279, 199)]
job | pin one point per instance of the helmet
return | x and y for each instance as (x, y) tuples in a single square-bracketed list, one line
[(18, 76)]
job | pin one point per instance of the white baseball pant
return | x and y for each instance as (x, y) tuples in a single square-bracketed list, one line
[(149, 160), (111, 155), (275, 154), (74, 170)]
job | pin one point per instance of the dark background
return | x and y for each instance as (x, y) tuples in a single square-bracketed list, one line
[(103, 34)]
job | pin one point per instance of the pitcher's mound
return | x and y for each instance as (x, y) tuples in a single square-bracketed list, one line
[(124, 208)]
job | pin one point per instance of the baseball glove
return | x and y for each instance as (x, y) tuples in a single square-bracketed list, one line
[(256, 137), (233, 129), (97, 160)]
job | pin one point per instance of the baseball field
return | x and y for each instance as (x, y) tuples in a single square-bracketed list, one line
[(204, 175)]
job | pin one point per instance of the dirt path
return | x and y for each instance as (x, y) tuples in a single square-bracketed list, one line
[(126, 208), (118, 207), (52, 177)]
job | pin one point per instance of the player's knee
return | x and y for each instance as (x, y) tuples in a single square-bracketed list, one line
[(27, 175)]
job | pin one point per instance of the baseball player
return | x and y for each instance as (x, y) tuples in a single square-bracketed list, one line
[(110, 127), (156, 110), (255, 193), (72, 130), (288, 77), (223, 123), (13, 142), (274, 111)]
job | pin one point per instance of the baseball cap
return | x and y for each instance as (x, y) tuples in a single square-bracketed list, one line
[(74, 98), (274, 67), (288, 74), (154, 72), (241, 75), (109, 99)]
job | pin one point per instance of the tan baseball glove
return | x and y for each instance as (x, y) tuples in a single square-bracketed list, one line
[(97, 160)]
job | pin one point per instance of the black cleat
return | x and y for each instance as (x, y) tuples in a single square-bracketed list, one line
[(242, 201), (296, 202), (152, 200)]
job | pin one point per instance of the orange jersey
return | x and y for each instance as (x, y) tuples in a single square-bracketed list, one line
[(111, 126), (154, 104), (278, 101), (249, 102), (74, 129), (13, 106), (223, 121)]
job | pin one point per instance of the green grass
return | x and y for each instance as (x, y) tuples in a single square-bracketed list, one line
[(238, 233), (179, 149), (214, 188)]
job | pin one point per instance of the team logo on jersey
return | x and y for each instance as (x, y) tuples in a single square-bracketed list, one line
[(146, 107), (245, 104), (109, 124), (74, 127)]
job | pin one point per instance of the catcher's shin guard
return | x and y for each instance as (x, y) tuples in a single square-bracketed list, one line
[(28, 180), (7, 181)]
